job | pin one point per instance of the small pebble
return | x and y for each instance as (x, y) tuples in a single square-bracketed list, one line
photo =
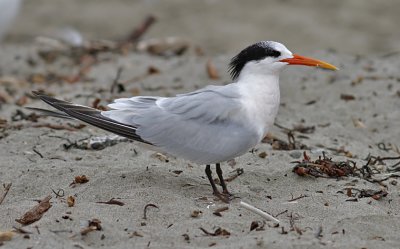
[(295, 154)]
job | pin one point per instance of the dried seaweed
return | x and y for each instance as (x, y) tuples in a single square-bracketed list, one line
[(327, 168), (324, 167)]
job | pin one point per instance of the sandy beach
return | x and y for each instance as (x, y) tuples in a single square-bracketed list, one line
[(136, 198)]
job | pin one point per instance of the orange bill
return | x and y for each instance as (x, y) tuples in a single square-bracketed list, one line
[(307, 61)]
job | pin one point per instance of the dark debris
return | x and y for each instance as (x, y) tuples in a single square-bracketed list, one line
[(218, 232), (324, 167), (327, 168)]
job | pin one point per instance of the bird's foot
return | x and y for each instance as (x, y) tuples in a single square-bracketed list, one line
[(227, 193), (222, 197), (225, 196)]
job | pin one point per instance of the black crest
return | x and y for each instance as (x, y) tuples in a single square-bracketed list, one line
[(255, 52)]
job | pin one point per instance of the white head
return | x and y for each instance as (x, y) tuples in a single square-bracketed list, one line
[(268, 57)]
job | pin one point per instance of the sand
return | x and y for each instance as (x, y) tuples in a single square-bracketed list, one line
[(355, 113), (137, 177), (224, 26)]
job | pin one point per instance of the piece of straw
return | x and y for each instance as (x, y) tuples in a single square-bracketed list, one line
[(258, 211)]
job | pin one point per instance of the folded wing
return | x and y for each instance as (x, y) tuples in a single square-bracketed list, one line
[(201, 126)]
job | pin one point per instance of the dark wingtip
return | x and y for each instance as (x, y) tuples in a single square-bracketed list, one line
[(36, 93), (89, 115)]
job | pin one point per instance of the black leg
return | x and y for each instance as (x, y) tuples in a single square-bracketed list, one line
[(209, 176), (214, 187), (221, 179)]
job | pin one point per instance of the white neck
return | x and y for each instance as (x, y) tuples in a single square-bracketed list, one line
[(260, 98)]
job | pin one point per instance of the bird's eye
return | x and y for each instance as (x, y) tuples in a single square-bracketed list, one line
[(274, 53)]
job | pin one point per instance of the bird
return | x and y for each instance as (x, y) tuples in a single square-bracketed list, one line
[(210, 125)]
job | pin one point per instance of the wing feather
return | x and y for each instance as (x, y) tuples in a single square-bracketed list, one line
[(92, 116)]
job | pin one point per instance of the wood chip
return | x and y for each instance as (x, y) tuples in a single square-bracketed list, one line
[(36, 212), (6, 236), (136, 234), (349, 192), (23, 100), (212, 71), (218, 211), (178, 172), (358, 123), (347, 97), (195, 213), (79, 180), (161, 157), (94, 225), (153, 70), (70, 201), (263, 155)]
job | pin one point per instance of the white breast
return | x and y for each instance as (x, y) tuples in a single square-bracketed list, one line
[(260, 98)]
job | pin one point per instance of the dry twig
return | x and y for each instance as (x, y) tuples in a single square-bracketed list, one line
[(112, 202), (6, 189), (218, 232), (145, 209)]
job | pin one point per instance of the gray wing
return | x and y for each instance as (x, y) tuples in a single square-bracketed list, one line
[(91, 116), (198, 126)]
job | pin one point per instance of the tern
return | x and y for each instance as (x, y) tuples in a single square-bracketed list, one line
[(210, 125)]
